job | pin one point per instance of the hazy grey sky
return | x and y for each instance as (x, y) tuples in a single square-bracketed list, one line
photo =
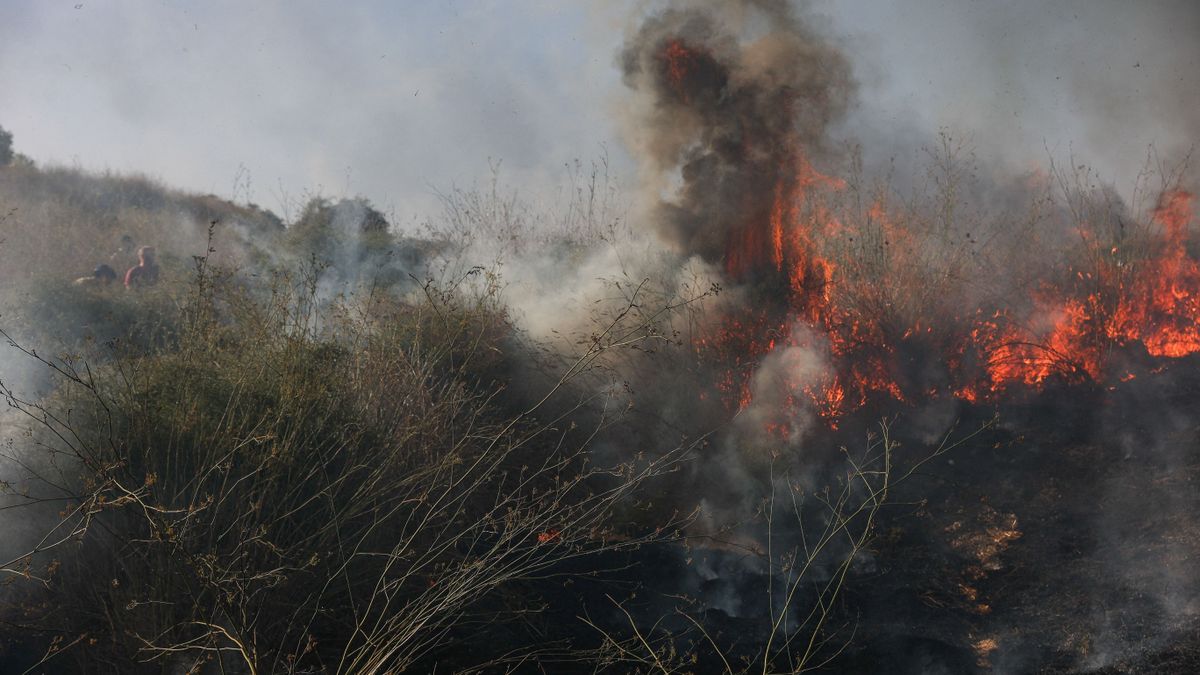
[(389, 99)]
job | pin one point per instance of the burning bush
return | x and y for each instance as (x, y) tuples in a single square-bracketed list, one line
[(911, 299)]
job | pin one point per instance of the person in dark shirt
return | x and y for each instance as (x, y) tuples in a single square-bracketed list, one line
[(102, 276), (145, 273)]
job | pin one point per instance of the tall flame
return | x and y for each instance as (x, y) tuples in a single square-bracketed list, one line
[(1162, 308)]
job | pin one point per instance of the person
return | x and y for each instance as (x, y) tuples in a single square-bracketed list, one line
[(101, 277), (145, 273)]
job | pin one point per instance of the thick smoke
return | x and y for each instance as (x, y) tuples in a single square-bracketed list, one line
[(730, 101), (732, 106), (729, 98)]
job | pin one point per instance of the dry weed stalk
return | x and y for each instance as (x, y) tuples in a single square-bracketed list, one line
[(804, 580)]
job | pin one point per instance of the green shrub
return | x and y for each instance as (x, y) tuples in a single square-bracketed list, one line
[(294, 487), (6, 149)]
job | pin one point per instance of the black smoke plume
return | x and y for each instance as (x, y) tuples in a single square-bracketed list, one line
[(732, 98)]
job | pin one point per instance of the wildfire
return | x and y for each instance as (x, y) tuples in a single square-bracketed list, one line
[(1163, 307), (1069, 334), (858, 276), (1158, 306)]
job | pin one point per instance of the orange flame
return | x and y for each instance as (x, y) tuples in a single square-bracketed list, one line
[(1067, 336), (1162, 312), (680, 60)]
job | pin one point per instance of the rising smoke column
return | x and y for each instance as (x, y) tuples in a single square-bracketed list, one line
[(734, 97), (732, 101)]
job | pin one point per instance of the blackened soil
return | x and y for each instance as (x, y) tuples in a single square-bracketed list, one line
[(1065, 540)]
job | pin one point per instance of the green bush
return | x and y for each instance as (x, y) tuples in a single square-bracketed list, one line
[(283, 486), (6, 149)]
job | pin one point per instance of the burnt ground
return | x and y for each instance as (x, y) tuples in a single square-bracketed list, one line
[(1042, 557), (1065, 539)]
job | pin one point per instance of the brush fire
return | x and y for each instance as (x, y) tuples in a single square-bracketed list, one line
[(852, 302), (821, 389), (806, 258)]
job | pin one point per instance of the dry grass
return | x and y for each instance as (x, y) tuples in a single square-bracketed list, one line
[(293, 489)]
